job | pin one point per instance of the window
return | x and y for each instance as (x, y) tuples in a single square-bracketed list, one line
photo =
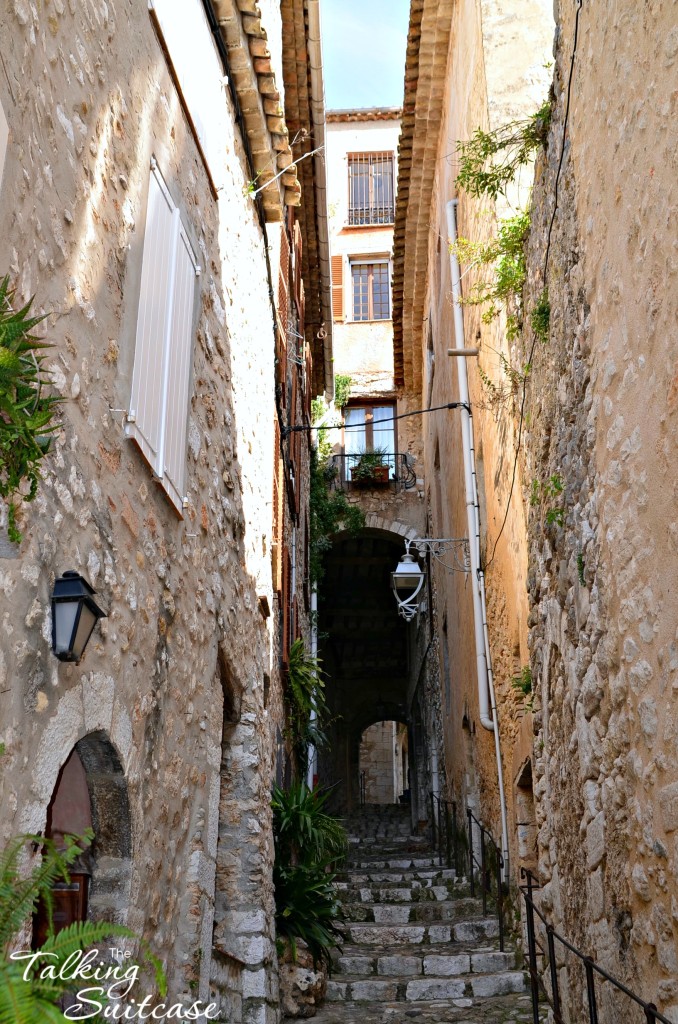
[(369, 428), (158, 412), (370, 188), (4, 135), (370, 288)]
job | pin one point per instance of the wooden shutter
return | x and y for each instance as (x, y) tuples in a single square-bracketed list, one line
[(337, 288), (158, 409), (278, 506), (286, 609)]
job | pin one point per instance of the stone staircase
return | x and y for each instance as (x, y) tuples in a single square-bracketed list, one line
[(416, 944)]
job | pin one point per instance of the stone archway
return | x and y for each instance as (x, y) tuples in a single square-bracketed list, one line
[(365, 650), (90, 793)]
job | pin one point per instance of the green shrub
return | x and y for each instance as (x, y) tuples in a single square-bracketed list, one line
[(308, 844), (540, 317), (26, 413), (305, 698), (504, 258)]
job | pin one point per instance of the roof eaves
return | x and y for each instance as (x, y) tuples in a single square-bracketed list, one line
[(261, 104)]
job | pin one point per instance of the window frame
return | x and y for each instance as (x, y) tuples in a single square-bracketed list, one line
[(370, 262), (373, 159), (369, 406)]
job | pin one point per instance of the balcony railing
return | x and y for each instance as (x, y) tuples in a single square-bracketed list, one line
[(394, 470)]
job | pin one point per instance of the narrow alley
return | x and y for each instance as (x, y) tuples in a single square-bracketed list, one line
[(339, 511)]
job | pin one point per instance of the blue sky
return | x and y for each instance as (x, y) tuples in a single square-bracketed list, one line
[(364, 52)]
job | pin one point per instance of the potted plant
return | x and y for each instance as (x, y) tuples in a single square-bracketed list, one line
[(371, 468)]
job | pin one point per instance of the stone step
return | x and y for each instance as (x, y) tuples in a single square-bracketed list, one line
[(384, 935), (422, 911), (421, 962), (427, 876), (413, 893), (370, 862), (412, 990)]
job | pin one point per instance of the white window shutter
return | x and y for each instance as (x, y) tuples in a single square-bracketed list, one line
[(179, 369), (158, 408)]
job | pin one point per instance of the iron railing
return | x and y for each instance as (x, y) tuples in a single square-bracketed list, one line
[(363, 789), (346, 472), (591, 968), (471, 850)]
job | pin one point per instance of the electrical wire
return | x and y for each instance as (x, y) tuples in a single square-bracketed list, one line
[(521, 420), (361, 426)]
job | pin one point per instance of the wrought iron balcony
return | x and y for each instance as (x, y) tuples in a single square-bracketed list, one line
[(365, 470)]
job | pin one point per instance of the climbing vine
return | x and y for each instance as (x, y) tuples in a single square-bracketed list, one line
[(330, 511), (26, 412), (490, 161), (503, 259)]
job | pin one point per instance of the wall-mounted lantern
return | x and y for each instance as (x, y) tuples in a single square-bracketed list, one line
[(408, 578), (74, 616)]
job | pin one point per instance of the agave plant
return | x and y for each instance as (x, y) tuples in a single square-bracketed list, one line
[(26, 412), (25, 996)]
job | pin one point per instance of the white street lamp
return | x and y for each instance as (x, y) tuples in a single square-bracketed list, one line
[(408, 578)]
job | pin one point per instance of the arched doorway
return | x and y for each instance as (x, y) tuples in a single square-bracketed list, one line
[(383, 763), (364, 651), (90, 793)]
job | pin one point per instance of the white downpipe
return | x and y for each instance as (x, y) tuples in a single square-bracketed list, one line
[(312, 754), (486, 696)]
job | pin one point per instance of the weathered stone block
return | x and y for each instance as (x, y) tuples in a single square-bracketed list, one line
[(433, 989), (447, 966), (399, 965)]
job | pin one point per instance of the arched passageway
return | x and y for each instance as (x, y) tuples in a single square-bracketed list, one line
[(384, 768), (364, 648)]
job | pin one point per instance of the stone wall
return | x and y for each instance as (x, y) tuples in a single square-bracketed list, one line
[(174, 678), (601, 416)]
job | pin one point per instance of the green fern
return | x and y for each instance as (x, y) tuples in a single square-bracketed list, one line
[(25, 997)]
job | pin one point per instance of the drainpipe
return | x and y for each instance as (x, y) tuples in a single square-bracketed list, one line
[(312, 754), (486, 695)]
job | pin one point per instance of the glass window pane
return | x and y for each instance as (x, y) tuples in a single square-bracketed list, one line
[(354, 432), (383, 431), (360, 279), (380, 291)]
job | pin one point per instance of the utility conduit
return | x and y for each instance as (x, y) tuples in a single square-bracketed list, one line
[(487, 702)]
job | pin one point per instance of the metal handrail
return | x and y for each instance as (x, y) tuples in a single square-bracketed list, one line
[(591, 968), (449, 836), (396, 469), (485, 871)]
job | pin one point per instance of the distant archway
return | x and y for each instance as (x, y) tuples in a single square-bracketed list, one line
[(383, 763)]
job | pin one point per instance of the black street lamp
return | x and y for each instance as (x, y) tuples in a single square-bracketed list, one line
[(74, 616)]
